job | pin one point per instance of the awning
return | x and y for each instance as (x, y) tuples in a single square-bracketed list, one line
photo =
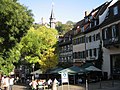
[(92, 68)]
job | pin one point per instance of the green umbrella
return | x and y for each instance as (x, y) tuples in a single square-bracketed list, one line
[(73, 70)]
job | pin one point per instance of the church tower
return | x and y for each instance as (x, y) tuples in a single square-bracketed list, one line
[(52, 18)]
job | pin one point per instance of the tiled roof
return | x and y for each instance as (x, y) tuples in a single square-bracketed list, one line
[(110, 18)]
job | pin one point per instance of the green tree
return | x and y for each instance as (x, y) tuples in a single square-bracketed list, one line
[(15, 21), (59, 27), (39, 46), (7, 63), (63, 28), (70, 23)]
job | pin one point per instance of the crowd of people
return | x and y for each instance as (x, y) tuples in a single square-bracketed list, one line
[(41, 84), (37, 84), (6, 82)]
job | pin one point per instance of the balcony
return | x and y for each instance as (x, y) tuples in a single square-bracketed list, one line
[(111, 42), (79, 60)]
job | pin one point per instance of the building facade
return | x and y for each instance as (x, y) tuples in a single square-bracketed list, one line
[(65, 48), (101, 27), (78, 45), (110, 29)]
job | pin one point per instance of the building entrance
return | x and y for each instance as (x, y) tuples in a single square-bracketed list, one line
[(115, 66)]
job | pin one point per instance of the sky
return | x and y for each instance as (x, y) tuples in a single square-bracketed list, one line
[(64, 10)]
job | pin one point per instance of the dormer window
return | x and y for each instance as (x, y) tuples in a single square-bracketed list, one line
[(115, 10), (107, 14), (86, 19), (82, 29), (90, 17)]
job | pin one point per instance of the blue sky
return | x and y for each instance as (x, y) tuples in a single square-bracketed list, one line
[(64, 10)]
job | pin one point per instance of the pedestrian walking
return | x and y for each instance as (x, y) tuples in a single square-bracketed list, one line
[(55, 84), (11, 83), (49, 83)]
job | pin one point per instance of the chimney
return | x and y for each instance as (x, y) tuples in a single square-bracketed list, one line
[(86, 13)]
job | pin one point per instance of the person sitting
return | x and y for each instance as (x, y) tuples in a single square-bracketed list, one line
[(40, 84), (79, 81), (34, 84)]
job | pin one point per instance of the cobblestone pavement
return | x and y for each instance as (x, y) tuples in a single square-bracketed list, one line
[(20, 87), (104, 85)]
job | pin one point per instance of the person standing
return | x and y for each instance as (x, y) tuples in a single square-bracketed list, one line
[(49, 83), (55, 85), (11, 83), (6, 83)]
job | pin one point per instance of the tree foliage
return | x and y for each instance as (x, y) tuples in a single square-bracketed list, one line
[(15, 21), (63, 28), (38, 46), (6, 63)]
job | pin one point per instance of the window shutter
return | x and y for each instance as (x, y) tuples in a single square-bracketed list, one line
[(103, 34), (117, 30), (109, 32)]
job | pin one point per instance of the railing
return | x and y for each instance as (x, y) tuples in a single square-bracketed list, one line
[(111, 41)]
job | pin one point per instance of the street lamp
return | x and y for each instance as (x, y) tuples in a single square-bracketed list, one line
[(33, 66)]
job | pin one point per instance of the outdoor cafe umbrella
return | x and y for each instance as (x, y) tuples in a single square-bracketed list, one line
[(72, 71), (56, 70), (37, 72), (92, 68)]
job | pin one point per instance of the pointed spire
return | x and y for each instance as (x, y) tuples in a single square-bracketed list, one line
[(52, 18), (52, 13)]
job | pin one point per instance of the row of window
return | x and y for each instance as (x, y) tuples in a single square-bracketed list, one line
[(67, 38), (93, 38), (94, 23), (90, 52), (79, 40), (66, 48), (66, 59), (79, 55), (110, 32)]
